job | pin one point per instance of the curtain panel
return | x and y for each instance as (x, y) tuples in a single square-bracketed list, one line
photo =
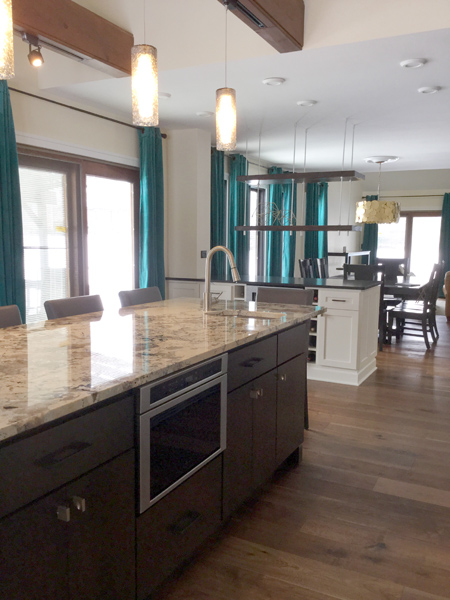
[(274, 239), (316, 242), (289, 241), (238, 243), (218, 213), (12, 279), (370, 238), (444, 243), (151, 212)]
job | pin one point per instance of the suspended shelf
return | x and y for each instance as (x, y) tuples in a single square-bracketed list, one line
[(298, 228), (312, 177)]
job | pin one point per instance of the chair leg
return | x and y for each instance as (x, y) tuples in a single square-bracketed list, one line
[(425, 334), (432, 329)]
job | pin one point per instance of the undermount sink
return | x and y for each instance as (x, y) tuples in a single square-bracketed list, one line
[(247, 314)]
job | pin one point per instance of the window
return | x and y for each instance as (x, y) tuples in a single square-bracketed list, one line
[(415, 236), (80, 221), (257, 239)]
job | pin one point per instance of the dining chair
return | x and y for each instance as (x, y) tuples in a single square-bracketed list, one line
[(394, 267), (139, 296), (10, 316), (289, 296), (70, 307), (418, 318), (322, 268), (306, 267), (373, 273)]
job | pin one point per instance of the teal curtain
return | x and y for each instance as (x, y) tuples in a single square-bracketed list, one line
[(288, 260), (444, 244), (12, 279), (151, 226), (238, 199), (274, 239), (218, 213), (370, 238), (316, 242)]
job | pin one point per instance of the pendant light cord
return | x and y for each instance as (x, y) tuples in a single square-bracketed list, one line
[(145, 35), (379, 179), (226, 41)]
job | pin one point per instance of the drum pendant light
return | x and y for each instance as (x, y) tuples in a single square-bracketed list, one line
[(226, 108), (378, 211), (6, 40), (144, 84)]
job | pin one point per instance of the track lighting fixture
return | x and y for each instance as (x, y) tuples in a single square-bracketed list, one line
[(34, 56)]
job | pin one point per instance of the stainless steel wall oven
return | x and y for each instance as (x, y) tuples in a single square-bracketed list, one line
[(182, 426)]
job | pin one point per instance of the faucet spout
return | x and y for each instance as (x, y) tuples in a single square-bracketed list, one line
[(234, 273)]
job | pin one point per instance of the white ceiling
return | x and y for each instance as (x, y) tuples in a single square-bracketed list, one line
[(359, 86)]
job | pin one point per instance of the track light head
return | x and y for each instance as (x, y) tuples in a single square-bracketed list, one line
[(35, 57)]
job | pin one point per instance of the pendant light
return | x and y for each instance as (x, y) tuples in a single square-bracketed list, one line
[(144, 84), (6, 40), (378, 211), (226, 107)]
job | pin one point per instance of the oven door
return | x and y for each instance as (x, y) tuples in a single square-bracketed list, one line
[(180, 436)]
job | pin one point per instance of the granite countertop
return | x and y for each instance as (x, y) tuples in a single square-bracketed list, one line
[(304, 282), (51, 369)]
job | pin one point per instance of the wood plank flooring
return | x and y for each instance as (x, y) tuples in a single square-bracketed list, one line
[(366, 516)]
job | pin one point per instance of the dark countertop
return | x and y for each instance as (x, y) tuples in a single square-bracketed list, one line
[(336, 283)]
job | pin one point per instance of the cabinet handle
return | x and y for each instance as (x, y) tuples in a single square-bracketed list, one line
[(58, 456), (251, 362), (282, 377), (63, 513), (184, 522), (337, 300), (79, 503), (255, 394)]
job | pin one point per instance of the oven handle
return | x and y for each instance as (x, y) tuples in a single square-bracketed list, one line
[(184, 522)]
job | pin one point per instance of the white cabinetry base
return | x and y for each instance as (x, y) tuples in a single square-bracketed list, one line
[(335, 375)]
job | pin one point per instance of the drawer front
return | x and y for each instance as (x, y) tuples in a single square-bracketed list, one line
[(339, 299), (251, 361), (293, 342), (39, 464), (169, 532)]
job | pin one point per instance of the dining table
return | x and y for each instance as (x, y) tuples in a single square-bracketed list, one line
[(405, 287)]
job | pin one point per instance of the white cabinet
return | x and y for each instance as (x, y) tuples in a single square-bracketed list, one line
[(347, 336), (183, 289)]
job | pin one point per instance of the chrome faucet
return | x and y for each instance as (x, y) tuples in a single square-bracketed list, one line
[(234, 274)]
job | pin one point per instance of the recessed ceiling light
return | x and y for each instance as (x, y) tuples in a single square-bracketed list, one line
[(164, 95), (429, 90), (413, 63), (306, 102), (204, 113), (274, 81), (381, 159)]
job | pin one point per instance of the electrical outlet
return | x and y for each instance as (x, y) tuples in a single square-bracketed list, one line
[(203, 253)]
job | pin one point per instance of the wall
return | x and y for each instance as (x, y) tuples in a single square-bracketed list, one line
[(188, 202)]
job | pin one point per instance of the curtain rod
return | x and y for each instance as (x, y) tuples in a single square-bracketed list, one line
[(409, 196), (81, 110)]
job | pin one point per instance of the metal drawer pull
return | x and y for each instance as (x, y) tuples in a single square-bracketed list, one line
[(79, 503), (251, 362), (255, 394), (61, 454), (337, 300), (63, 513), (184, 522)]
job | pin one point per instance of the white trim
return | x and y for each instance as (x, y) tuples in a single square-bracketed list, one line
[(59, 146), (345, 376)]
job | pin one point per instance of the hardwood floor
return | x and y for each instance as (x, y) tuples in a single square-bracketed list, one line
[(366, 516)]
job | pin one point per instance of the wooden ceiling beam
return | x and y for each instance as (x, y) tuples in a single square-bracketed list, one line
[(69, 26), (282, 22)]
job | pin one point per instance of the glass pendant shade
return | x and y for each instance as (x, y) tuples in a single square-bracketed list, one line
[(377, 211), (144, 85), (225, 119), (6, 40)]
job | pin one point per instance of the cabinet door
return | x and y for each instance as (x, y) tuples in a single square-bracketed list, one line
[(264, 394), (33, 552), (101, 540), (337, 339), (237, 458), (291, 393)]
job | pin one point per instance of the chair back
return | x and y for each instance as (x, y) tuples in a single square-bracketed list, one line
[(392, 267), (285, 296), (139, 296), (322, 268), (70, 307), (10, 316), (306, 267), (432, 288), (365, 272)]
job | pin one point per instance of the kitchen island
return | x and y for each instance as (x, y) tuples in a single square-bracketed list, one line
[(70, 522)]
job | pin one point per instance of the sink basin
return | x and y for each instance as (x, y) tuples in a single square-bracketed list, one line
[(248, 314)]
